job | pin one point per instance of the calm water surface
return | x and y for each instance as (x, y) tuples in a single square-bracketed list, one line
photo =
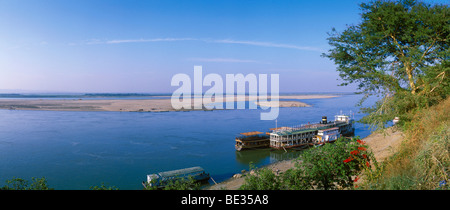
[(77, 150)]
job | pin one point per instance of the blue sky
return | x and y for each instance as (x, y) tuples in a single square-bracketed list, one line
[(137, 46)]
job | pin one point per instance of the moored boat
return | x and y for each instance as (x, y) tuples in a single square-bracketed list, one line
[(308, 134), (252, 140), (298, 136), (161, 179)]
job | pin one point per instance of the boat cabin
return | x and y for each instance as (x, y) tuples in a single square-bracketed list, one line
[(327, 135)]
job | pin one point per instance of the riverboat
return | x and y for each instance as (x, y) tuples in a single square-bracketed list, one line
[(252, 140), (299, 136), (161, 179)]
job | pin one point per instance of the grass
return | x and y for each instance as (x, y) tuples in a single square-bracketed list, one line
[(423, 160)]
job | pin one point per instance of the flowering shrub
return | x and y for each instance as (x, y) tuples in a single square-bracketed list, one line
[(359, 159), (334, 166), (331, 166)]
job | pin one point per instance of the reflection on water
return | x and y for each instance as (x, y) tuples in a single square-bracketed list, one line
[(265, 156)]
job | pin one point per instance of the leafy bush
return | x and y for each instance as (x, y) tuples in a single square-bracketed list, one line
[(22, 184), (104, 187), (336, 166), (264, 179)]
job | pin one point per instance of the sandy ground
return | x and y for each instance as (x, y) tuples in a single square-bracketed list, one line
[(282, 104), (382, 145), (144, 105), (235, 183)]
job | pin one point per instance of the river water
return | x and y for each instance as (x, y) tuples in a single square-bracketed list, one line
[(77, 150)]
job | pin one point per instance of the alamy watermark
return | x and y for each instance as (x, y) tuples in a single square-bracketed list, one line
[(214, 98)]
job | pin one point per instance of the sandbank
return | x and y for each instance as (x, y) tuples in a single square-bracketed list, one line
[(138, 105)]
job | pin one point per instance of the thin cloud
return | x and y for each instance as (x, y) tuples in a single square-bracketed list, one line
[(148, 40), (267, 44), (222, 41)]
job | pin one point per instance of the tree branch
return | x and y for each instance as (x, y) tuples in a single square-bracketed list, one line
[(425, 53)]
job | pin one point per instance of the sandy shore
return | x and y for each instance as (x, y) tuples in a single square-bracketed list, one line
[(382, 145), (130, 105), (385, 144), (282, 104), (235, 183)]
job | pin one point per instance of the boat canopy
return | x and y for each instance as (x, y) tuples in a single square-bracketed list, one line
[(251, 133), (294, 132), (280, 128), (329, 129), (181, 172)]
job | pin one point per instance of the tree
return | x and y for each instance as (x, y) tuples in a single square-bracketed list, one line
[(400, 48)]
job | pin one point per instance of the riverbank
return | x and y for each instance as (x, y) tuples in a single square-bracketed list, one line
[(133, 105), (382, 145)]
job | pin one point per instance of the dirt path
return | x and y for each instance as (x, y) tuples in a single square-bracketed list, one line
[(382, 144)]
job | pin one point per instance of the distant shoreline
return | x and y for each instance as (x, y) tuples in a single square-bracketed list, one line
[(133, 105), (9, 94)]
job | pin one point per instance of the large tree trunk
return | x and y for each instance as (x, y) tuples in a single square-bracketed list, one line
[(410, 78)]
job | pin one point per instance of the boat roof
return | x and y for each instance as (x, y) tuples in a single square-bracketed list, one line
[(282, 133), (251, 133), (329, 129), (280, 128), (181, 171)]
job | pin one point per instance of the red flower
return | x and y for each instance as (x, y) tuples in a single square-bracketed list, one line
[(348, 159), (356, 179), (362, 148), (361, 142), (365, 156), (367, 164), (355, 152)]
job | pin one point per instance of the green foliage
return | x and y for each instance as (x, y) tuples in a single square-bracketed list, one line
[(402, 105), (392, 45), (104, 187), (264, 179), (331, 166), (22, 184), (334, 166), (399, 51)]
